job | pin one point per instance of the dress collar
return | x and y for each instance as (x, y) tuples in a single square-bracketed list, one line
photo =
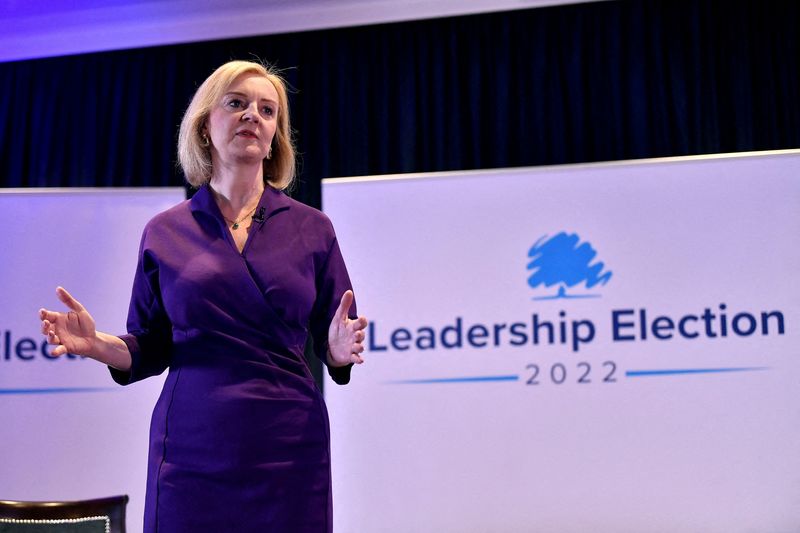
[(272, 201)]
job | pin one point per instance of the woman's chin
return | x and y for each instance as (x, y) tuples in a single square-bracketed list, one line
[(248, 157)]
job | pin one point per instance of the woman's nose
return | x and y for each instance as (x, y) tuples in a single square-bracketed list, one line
[(250, 114)]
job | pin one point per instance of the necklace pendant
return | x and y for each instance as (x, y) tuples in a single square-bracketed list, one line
[(235, 225)]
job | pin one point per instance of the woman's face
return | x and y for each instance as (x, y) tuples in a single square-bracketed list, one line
[(242, 124)]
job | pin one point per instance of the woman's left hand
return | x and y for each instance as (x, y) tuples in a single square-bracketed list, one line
[(345, 336)]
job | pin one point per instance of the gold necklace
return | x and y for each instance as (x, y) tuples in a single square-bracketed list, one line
[(235, 223)]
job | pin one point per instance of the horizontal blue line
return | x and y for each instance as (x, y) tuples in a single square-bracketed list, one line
[(676, 371), (57, 390), (454, 380)]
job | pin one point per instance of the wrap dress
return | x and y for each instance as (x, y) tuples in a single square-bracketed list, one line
[(239, 437)]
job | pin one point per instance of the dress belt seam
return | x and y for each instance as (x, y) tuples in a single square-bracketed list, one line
[(323, 412), (164, 446)]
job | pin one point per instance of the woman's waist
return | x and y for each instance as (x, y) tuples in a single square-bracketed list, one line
[(241, 339), (248, 355)]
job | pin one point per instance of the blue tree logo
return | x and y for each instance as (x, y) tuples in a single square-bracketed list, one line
[(564, 261)]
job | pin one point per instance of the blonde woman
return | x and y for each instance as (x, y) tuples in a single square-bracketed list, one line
[(228, 287)]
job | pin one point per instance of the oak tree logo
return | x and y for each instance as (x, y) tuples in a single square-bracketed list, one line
[(565, 262)]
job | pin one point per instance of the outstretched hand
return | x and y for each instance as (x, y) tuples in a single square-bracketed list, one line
[(345, 335), (72, 332)]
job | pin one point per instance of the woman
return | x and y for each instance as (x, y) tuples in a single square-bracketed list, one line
[(228, 286)]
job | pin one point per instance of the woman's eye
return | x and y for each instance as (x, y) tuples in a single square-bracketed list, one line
[(267, 110), (235, 103)]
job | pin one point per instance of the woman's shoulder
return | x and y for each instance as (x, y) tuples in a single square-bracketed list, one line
[(306, 211), (170, 218), (302, 213), (292, 216)]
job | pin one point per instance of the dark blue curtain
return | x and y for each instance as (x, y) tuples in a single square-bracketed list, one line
[(565, 84)]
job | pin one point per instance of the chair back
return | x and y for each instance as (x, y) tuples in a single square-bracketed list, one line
[(103, 515)]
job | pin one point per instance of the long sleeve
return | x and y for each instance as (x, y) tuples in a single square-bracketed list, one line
[(332, 282), (149, 337)]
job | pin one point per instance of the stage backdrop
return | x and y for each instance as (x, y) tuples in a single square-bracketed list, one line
[(609, 347), (69, 432)]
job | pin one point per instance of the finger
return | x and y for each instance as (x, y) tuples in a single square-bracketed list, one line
[(360, 335), (58, 351), (344, 306), (52, 338), (359, 323), (358, 348), (68, 300), (48, 328), (357, 359), (50, 316)]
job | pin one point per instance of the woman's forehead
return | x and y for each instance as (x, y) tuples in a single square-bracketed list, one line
[(252, 83)]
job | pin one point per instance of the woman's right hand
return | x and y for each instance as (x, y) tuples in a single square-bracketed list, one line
[(72, 332)]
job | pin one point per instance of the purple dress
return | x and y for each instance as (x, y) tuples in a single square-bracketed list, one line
[(239, 439)]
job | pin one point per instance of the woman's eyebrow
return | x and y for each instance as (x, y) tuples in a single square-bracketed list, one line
[(237, 93)]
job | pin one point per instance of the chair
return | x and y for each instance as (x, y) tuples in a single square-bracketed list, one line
[(103, 515)]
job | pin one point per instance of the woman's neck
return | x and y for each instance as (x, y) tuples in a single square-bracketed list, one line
[(238, 188)]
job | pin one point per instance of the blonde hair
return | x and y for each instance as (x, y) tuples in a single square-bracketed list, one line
[(195, 156)]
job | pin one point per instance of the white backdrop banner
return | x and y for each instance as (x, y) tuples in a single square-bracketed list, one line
[(607, 347), (69, 432)]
